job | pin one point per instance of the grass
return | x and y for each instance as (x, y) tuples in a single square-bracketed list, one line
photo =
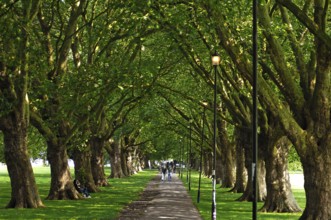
[(111, 200), (103, 205), (229, 209)]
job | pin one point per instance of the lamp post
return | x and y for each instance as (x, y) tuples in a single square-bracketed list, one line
[(190, 159), (215, 62), (187, 155), (202, 141), (255, 140), (180, 158)]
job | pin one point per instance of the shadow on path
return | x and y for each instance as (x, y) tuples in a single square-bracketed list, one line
[(162, 200)]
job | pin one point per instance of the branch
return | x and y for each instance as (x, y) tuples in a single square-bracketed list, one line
[(306, 21)]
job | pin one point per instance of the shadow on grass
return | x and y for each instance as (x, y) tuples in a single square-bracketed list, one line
[(228, 208), (103, 205)]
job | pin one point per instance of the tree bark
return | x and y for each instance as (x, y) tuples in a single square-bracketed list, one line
[(317, 175), (24, 192), (275, 146), (261, 184), (279, 193), (124, 163), (241, 172), (129, 163), (14, 108), (115, 160), (219, 169), (62, 186), (83, 170), (227, 159), (97, 162), (209, 164)]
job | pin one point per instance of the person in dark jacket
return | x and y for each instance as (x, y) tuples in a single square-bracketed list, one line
[(82, 189)]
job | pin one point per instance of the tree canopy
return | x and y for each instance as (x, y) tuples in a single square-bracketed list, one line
[(134, 77)]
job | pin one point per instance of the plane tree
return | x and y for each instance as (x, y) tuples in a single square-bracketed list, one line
[(16, 25), (294, 86), (301, 71), (210, 27)]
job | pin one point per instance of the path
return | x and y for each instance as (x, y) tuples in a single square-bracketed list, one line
[(162, 200)]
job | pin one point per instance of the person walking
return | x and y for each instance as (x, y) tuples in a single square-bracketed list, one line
[(163, 171), (169, 169)]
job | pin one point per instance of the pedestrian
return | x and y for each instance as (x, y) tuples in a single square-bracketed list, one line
[(82, 189), (169, 169), (163, 171), (174, 166)]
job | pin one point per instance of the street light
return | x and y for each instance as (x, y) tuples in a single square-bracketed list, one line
[(180, 158), (202, 142), (255, 124), (190, 159), (187, 155), (215, 62)]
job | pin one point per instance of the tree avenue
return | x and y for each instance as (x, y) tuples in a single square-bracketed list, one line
[(128, 82)]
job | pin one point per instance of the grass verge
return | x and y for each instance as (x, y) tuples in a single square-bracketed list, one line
[(103, 205), (226, 205)]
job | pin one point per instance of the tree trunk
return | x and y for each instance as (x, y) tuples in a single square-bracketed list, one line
[(219, 169), (24, 192), (279, 193), (14, 102), (146, 163), (124, 163), (241, 172), (129, 163), (275, 146), (138, 164), (261, 185), (228, 179), (62, 186), (209, 163), (226, 156), (317, 175), (97, 162), (83, 171), (115, 160)]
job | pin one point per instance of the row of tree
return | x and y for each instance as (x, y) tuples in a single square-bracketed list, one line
[(128, 79)]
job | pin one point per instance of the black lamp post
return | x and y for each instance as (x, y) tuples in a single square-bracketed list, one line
[(215, 61), (202, 141), (187, 155), (180, 157), (181, 160), (255, 140), (190, 159)]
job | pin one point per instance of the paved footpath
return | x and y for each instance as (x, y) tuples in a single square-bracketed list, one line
[(162, 200)]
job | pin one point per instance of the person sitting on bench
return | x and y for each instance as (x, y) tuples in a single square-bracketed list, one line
[(81, 189)]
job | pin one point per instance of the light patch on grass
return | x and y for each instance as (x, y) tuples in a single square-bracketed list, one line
[(103, 205), (227, 206)]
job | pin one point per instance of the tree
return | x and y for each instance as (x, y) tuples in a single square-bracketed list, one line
[(47, 118), (305, 86), (301, 76), (232, 35), (16, 21)]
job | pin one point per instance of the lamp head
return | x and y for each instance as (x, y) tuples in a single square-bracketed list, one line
[(204, 103), (215, 59)]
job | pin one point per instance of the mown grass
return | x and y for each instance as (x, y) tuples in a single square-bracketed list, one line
[(103, 205), (111, 200), (228, 208)]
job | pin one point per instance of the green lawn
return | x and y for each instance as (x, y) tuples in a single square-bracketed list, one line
[(103, 205), (228, 208), (108, 203)]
